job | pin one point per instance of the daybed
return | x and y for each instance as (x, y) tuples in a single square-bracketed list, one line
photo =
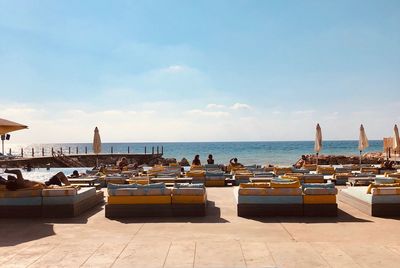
[(381, 200), (155, 200), (270, 199), (319, 199), (69, 202), (60, 202)]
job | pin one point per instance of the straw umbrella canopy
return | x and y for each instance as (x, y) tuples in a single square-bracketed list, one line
[(362, 141), (7, 126), (396, 141), (318, 141), (96, 144)]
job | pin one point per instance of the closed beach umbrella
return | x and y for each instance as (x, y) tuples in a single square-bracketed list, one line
[(396, 141), (362, 141), (7, 126), (96, 144), (318, 141)]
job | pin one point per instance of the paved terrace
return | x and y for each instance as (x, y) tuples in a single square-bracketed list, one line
[(219, 240)]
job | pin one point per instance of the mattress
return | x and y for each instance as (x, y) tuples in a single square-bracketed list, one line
[(130, 200), (83, 193)]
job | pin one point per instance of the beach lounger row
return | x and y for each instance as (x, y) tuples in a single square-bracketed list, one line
[(286, 198), (156, 200), (59, 202)]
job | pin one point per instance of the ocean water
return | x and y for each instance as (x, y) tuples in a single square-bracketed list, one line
[(248, 153)]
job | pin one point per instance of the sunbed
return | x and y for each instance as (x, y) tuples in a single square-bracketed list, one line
[(270, 199), (319, 199), (155, 200), (69, 202), (382, 201)]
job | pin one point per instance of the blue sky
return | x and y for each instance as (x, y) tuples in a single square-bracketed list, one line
[(199, 70)]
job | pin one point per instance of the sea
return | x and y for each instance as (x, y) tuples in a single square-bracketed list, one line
[(248, 153)]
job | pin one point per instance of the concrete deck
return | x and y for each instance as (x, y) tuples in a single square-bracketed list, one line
[(219, 240)]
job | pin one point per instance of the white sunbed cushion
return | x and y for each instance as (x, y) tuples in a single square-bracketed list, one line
[(59, 192)]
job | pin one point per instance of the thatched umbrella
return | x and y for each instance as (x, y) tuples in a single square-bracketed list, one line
[(7, 126)]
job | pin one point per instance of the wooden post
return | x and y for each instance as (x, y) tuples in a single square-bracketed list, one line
[(112, 150), (157, 150), (9, 152), (77, 150), (128, 149), (42, 151), (22, 152), (85, 149), (33, 152), (152, 150), (69, 150), (61, 150), (162, 149), (145, 150), (52, 151)]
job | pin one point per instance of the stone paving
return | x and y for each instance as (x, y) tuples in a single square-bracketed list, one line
[(219, 240)]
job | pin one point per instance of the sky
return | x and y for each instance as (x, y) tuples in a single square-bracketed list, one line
[(199, 70)]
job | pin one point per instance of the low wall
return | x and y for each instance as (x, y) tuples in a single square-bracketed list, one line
[(85, 160)]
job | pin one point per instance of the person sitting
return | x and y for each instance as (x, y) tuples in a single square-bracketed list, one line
[(210, 160), (75, 174), (122, 163), (15, 183), (233, 163), (300, 162), (196, 160)]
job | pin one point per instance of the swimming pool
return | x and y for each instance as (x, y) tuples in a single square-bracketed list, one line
[(42, 174)]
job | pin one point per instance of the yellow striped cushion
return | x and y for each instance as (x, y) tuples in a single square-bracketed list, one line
[(196, 173), (130, 200), (385, 185), (370, 170), (311, 167), (270, 191), (288, 184), (189, 199), (138, 181), (393, 175), (319, 199), (386, 191), (255, 185), (326, 170)]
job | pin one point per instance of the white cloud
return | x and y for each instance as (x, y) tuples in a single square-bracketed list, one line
[(238, 106), (215, 106), (175, 69), (208, 113), (304, 112)]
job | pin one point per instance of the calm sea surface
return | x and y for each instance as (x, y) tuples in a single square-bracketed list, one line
[(274, 152)]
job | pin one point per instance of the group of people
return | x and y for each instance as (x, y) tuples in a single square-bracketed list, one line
[(210, 161), (16, 181)]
